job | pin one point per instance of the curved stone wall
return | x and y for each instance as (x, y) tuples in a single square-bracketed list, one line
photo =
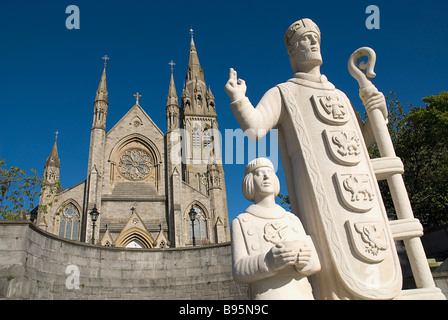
[(37, 265)]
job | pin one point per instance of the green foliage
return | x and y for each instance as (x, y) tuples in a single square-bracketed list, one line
[(284, 200), (423, 147), (420, 139), (17, 191)]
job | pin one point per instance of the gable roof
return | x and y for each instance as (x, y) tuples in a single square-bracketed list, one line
[(143, 113)]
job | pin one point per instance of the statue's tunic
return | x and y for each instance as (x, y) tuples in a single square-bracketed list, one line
[(331, 185), (254, 233)]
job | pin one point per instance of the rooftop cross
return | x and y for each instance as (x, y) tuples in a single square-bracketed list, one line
[(137, 96), (105, 58), (57, 132), (172, 64)]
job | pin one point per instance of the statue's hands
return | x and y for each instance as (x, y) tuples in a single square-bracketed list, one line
[(235, 88), (280, 256), (373, 99), (304, 255)]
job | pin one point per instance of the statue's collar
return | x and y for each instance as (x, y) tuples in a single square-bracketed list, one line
[(309, 80), (276, 212)]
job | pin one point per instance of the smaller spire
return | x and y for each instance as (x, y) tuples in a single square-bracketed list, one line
[(172, 94), (53, 158), (101, 93)]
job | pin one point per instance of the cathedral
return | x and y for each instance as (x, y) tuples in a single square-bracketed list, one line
[(151, 189)]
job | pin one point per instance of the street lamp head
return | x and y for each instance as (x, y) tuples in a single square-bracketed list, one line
[(94, 214), (192, 214)]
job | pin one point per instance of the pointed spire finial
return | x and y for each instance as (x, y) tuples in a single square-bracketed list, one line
[(57, 132), (191, 33)]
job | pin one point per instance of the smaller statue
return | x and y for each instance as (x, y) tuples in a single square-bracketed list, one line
[(270, 249)]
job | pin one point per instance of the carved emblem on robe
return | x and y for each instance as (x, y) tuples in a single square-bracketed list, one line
[(356, 191), (369, 239), (275, 232), (331, 109), (345, 146)]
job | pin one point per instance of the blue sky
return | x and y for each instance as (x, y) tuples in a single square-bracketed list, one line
[(49, 74)]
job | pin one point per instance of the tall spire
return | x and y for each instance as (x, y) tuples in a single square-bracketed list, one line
[(196, 99), (194, 68)]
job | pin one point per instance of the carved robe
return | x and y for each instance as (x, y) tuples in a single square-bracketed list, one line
[(331, 185), (254, 233)]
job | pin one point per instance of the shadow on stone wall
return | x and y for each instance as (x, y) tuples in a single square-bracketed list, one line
[(37, 265)]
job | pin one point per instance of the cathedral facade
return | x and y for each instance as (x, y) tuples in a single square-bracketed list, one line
[(146, 184)]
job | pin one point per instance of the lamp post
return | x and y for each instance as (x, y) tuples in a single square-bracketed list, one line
[(94, 215), (192, 215)]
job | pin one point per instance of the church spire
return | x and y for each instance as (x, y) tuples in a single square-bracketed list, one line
[(194, 59), (195, 71), (53, 164), (172, 103), (172, 94), (101, 104), (53, 159), (101, 93), (196, 99)]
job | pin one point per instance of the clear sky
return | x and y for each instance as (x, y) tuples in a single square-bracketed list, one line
[(49, 74)]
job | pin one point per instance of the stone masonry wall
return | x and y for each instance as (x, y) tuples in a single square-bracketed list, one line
[(35, 264)]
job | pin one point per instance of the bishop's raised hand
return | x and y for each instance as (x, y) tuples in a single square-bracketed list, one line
[(235, 88)]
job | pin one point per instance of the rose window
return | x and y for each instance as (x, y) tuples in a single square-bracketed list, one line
[(135, 164)]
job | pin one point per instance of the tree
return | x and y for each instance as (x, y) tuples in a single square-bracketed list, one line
[(420, 139), (17, 191), (422, 144)]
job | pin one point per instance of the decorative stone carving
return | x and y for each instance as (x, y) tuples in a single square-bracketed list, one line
[(369, 240), (345, 146), (270, 249), (356, 191), (330, 109)]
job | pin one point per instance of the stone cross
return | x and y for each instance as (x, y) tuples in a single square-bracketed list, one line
[(105, 58), (172, 64), (137, 96)]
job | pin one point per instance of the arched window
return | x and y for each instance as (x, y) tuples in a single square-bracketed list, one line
[(196, 137), (200, 225), (207, 137), (69, 222)]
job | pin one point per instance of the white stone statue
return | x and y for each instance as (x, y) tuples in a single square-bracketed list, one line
[(329, 175), (270, 249)]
